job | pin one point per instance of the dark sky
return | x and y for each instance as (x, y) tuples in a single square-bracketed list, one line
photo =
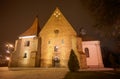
[(16, 16)]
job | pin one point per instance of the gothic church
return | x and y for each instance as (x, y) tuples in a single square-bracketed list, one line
[(51, 46)]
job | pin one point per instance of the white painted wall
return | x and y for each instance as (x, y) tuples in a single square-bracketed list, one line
[(95, 57)]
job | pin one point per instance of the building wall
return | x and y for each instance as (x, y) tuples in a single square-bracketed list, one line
[(57, 32), (15, 55), (95, 57), (81, 55), (57, 39), (63, 42), (26, 55)]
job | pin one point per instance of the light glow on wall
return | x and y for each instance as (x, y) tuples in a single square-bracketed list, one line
[(7, 51), (7, 58), (27, 36)]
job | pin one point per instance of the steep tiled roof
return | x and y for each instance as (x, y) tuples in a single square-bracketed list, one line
[(33, 30)]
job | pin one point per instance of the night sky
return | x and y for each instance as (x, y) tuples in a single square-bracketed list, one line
[(16, 16)]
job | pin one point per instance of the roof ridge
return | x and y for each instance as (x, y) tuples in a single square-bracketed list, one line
[(33, 30)]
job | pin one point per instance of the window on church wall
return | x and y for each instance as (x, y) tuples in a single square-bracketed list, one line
[(87, 52), (55, 48), (27, 43), (62, 41), (56, 31), (25, 55), (48, 42)]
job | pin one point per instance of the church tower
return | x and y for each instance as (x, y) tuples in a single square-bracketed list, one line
[(26, 48)]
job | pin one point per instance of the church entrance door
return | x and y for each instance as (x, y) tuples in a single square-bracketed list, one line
[(56, 61)]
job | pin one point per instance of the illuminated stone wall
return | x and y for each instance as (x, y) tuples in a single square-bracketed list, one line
[(25, 55), (52, 46), (94, 58), (57, 33), (15, 54), (81, 55)]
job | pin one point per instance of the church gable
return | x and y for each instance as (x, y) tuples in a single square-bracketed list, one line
[(57, 21), (57, 38)]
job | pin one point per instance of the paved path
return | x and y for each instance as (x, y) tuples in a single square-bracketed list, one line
[(33, 74), (38, 73)]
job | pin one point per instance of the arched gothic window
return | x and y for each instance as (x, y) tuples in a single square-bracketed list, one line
[(25, 55), (55, 48), (27, 43), (86, 52)]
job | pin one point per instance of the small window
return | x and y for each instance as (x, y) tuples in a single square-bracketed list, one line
[(55, 48), (48, 42), (56, 31), (62, 41), (87, 52), (25, 55), (27, 43)]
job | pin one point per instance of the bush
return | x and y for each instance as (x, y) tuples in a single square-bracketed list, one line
[(73, 63), (112, 59)]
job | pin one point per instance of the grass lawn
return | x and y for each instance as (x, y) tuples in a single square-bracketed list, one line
[(93, 75)]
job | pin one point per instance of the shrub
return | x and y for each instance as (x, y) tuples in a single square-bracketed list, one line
[(73, 63), (113, 62)]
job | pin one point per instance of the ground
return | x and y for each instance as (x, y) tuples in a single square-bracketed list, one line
[(54, 73)]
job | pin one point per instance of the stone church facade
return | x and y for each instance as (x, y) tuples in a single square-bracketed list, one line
[(51, 46)]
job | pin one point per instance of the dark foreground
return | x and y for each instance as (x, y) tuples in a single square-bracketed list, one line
[(93, 75), (54, 73)]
